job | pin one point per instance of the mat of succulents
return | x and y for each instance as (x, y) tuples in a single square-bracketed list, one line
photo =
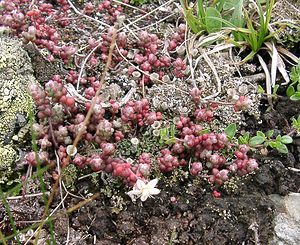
[(148, 122)]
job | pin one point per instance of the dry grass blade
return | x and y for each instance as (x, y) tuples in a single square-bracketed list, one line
[(27, 196), (282, 70), (274, 65), (130, 6), (268, 78), (83, 64), (189, 49), (213, 68), (155, 23), (59, 180), (288, 54), (213, 37), (221, 47), (216, 49), (145, 15), (86, 16), (280, 64)]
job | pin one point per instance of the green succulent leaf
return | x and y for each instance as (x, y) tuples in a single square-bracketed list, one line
[(244, 139), (203, 131), (295, 96), (278, 138), (272, 144), (170, 141), (256, 140), (270, 133), (295, 74), (290, 91), (261, 134), (282, 148), (172, 130), (296, 123), (163, 132), (275, 89), (260, 90), (286, 139), (230, 130)]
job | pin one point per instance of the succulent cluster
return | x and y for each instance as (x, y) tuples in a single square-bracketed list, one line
[(177, 38), (61, 114), (32, 26), (209, 151), (138, 112), (62, 130)]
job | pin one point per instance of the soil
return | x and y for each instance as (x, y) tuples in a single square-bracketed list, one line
[(186, 211)]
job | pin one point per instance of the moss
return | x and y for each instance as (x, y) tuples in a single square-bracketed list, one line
[(69, 176), (16, 74), (147, 143)]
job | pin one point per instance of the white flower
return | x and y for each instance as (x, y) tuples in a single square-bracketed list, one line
[(135, 141), (71, 150), (156, 125), (143, 190)]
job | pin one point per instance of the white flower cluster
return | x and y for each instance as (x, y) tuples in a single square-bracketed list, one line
[(143, 190)]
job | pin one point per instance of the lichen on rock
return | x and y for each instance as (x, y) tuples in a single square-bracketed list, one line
[(16, 75)]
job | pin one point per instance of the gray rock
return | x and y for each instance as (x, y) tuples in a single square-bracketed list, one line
[(287, 221)]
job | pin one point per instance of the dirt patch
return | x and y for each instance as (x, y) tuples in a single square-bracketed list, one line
[(244, 214)]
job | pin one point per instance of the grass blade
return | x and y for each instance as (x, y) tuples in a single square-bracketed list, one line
[(248, 57), (9, 214), (195, 24), (2, 239), (201, 11)]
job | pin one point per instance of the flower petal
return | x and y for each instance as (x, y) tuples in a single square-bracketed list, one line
[(134, 192), (144, 197), (154, 191), (152, 183), (140, 184)]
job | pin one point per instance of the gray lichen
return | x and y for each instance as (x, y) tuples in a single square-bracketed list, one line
[(16, 74)]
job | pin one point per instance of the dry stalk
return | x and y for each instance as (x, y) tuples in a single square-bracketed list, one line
[(45, 215), (78, 137), (82, 203), (102, 84), (86, 16), (149, 13)]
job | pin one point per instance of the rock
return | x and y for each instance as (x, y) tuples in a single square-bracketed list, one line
[(16, 75), (287, 221)]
